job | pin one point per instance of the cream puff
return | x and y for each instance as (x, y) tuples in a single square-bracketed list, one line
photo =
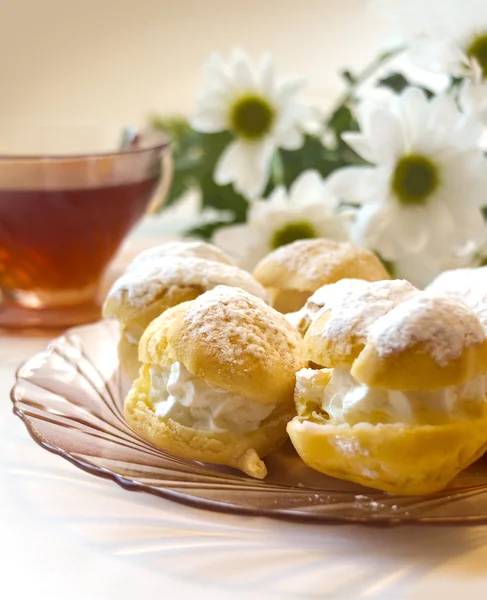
[(403, 408), (163, 277), (293, 272), (217, 380), (351, 303)]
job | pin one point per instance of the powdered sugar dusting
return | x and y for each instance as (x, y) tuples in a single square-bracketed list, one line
[(142, 285), (354, 306), (468, 284), (196, 249), (444, 324), (306, 257), (235, 326)]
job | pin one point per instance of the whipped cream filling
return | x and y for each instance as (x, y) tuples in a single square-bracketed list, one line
[(348, 401), (189, 400)]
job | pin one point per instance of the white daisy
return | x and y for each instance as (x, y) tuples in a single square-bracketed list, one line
[(261, 111), (473, 95), (420, 269), (444, 35), (427, 185), (308, 210)]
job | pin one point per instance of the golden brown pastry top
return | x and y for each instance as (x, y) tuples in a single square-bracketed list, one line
[(306, 265), (231, 339), (186, 249), (349, 308), (425, 343), (390, 335), (178, 276), (154, 340)]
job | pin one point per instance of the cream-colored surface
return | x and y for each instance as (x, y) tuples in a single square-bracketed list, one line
[(131, 544), (100, 61)]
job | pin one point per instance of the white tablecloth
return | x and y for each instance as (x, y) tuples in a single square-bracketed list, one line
[(65, 534)]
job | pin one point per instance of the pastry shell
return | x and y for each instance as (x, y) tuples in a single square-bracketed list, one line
[(232, 340), (156, 281), (243, 451), (293, 272), (396, 458), (431, 342), (338, 331), (425, 342)]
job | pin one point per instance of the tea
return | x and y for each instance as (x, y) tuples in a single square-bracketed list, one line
[(55, 243)]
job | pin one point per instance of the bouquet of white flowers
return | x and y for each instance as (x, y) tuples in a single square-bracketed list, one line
[(397, 165)]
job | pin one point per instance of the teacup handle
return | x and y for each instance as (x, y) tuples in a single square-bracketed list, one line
[(164, 183)]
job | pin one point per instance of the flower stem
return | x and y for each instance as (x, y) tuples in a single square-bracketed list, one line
[(277, 170), (357, 80)]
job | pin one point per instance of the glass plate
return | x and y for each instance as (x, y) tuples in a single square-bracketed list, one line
[(70, 397)]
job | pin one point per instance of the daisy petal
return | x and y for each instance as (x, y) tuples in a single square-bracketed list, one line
[(413, 107), (288, 89), (215, 70), (247, 165), (267, 76), (309, 184), (291, 139), (278, 200), (413, 229), (359, 185), (368, 227), (419, 269), (331, 226), (246, 246), (242, 71), (232, 238), (209, 120), (385, 137), (359, 143)]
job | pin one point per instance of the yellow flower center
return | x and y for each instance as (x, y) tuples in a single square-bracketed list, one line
[(415, 178), (252, 117), (291, 232), (478, 51)]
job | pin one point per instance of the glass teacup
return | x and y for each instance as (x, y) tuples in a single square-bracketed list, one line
[(68, 198)]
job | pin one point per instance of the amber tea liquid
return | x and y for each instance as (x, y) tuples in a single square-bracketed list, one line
[(61, 240)]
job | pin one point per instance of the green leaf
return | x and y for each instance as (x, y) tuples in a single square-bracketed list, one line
[(294, 162), (207, 230), (342, 120), (195, 155), (223, 198), (396, 82), (348, 77), (212, 146)]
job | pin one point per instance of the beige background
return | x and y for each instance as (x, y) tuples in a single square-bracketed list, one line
[(92, 61)]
